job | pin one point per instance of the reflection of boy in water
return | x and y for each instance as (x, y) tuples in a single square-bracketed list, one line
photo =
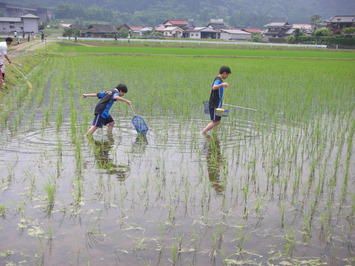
[(214, 162), (103, 160), (107, 98)]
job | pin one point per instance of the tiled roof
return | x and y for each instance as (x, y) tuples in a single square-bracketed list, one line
[(100, 28), (235, 31), (136, 28), (29, 16), (177, 22), (342, 19), (252, 30)]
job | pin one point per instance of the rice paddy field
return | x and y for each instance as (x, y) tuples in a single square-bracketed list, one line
[(270, 187)]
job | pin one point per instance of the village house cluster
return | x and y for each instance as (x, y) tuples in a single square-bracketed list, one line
[(216, 29), (177, 28)]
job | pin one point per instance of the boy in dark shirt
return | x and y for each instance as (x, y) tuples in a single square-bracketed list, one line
[(216, 97), (107, 98)]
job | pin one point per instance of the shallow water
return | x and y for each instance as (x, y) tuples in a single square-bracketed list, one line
[(259, 192), (245, 196)]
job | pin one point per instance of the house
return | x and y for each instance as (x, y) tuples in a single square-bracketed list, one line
[(200, 33), (193, 32), (136, 30), (160, 29), (217, 25), (252, 31), (209, 33), (277, 30), (338, 22), (100, 31), (234, 34), (175, 32), (123, 28), (176, 23), (147, 31), (306, 29), (26, 23)]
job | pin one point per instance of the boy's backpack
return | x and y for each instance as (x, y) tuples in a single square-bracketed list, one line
[(105, 100)]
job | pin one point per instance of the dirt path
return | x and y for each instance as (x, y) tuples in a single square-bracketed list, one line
[(23, 48)]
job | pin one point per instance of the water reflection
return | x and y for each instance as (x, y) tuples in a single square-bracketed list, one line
[(214, 160), (104, 161), (140, 144)]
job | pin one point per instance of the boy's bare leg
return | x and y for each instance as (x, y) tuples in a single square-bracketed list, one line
[(91, 130), (110, 127), (211, 125)]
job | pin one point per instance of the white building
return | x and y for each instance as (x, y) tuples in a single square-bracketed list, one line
[(175, 32), (26, 23), (234, 34)]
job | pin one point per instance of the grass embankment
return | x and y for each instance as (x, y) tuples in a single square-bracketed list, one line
[(25, 63)]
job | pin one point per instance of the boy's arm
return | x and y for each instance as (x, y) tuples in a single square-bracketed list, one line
[(8, 59), (118, 98), (85, 95), (223, 84)]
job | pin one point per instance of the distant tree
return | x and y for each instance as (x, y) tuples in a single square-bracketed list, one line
[(256, 38), (315, 21), (297, 34), (123, 34), (322, 32), (70, 32), (69, 11), (291, 39), (349, 31)]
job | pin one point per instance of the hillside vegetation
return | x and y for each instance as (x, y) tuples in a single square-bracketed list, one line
[(236, 13)]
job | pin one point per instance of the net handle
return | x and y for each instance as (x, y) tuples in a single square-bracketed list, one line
[(133, 111), (224, 94)]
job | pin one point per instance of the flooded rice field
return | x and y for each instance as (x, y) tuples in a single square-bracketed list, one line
[(257, 192)]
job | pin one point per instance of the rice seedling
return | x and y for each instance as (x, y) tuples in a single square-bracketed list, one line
[(50, 192), (241, 238), (2, 210)]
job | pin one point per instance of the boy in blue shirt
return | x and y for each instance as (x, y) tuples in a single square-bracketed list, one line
[(107, 98), (216, 98)]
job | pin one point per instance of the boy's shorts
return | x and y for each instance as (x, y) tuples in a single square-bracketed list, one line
[(213, 115), (100, 121)]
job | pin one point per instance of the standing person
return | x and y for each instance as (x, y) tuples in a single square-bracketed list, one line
[(216, 98), (107, 98), (1, 80), (3, 53)]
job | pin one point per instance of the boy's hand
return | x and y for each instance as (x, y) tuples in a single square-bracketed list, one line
[(225, 84), (129, 103)]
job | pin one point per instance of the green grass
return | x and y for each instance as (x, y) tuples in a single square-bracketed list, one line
[(227, 51)]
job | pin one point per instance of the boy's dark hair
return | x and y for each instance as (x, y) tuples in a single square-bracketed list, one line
[(225, 69), (8, 39), (122, 87)]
